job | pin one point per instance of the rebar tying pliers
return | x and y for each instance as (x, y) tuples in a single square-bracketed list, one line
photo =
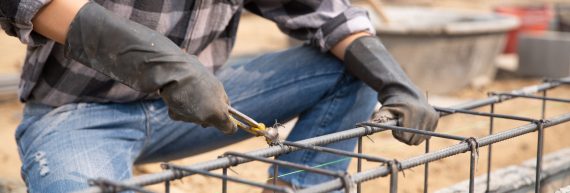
[(251, 126)]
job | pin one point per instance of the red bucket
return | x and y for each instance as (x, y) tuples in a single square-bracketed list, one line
[(532, 18)]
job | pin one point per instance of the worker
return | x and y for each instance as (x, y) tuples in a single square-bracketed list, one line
[(109, 84)]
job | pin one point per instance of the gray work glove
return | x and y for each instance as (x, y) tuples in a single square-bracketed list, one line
[(368, 59), (148, 62)]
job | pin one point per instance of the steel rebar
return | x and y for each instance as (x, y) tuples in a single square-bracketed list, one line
[(440, 154), (180, 170), (337, 152), (416, 131), (426, 167), (394, 167), (539, 149), (357, 132), (489, 150), (534, 97), (359, 164), (512, 117), (112, 186)]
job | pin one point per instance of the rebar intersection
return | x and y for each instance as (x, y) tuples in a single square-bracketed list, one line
[(391, 167)]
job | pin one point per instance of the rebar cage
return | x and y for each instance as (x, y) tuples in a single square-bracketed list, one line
[(389, 167)]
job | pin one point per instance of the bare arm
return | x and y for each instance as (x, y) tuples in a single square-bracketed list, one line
[(53, 20), (339, 49)]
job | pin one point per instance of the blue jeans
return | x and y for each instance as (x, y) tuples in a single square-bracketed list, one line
[(62, 147)]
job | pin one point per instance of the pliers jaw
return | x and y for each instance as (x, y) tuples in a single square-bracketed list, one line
[(272, 136), (251, 126)]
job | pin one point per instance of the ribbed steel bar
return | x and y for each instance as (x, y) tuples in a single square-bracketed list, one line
[(543, 111), (394, 167), (337, 152), (347, 182), (167, 182), (472, 173), (154, 178), (180, 170), (534, 97), (540, 146), (167, 186), (236, 155), (440, 154), (539, 149), (525, 90), (416, 131), (512, 117), (489, 150), (426, 168), (112, 186), (561, 81), (359, 164), (225, 181), (266, 152), (275, 172), (474, 148)]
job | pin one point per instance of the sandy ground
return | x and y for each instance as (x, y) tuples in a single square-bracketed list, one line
[(254, 35)]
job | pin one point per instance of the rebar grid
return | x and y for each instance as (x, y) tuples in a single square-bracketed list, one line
[(351, 183)]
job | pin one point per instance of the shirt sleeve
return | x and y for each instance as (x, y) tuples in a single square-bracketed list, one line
[(16, 20), (322, 22)]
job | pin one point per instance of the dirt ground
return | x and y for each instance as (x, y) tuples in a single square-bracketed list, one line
[(443, 173)]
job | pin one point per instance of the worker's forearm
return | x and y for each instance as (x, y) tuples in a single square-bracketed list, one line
[(339, 49), (53, 20)]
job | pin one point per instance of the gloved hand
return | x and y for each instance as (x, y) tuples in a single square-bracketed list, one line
[(148, 62), (368, 59)]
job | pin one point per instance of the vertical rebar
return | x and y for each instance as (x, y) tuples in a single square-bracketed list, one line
[(489, 149), (426, 168), (225, 181), (426, 165), (393, 165), (167, 182), (472, 174), (167, 186), (474, 148), (275, 172), (359, 163), (543, 104), (540, 147)]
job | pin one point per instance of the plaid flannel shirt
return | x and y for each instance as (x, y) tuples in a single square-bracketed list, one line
[(206, 28)]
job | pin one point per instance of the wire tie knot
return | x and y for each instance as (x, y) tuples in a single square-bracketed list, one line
[(474, 148), (347, 183)]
